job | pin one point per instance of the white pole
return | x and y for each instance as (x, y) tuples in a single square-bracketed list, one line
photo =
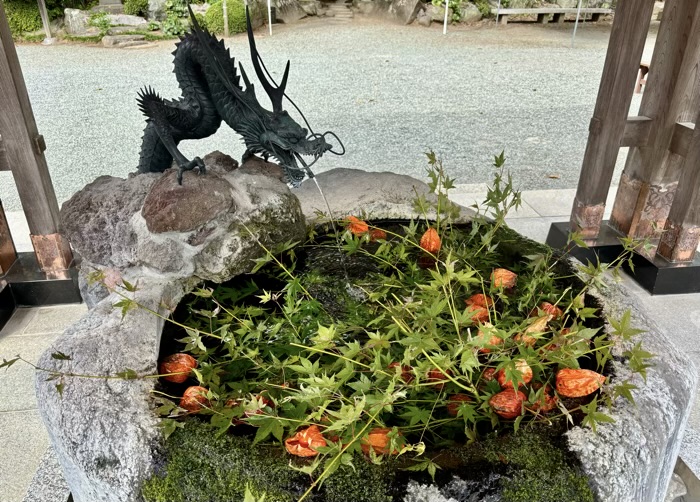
[(447, 9), (578, 16), (498, 12), (269, 15), (223, 4), (45, 22)]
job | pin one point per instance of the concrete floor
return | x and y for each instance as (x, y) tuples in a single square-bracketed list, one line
[(31, 331), (22, 435)]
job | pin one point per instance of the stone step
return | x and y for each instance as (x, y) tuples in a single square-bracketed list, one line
[(120, 41)]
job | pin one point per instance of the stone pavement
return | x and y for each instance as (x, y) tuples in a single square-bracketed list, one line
[(22, 435), (31, 331)]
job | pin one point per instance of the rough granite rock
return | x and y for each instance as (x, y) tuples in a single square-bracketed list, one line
[(136, 22), (104, 431), (96, 219), (76, 22), (289, 11), (310, 7), (469, 13), (423, 18), (171, 207), (437, 13), (404, 11), (116, 41), (632, 460), (156, 10), (360, 193)]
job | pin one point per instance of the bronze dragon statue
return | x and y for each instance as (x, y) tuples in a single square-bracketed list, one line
[(211, 92)]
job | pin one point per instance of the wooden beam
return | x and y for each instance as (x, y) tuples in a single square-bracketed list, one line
[(682, 137), (629, 33), (553, 10), (23, 145), (636, 131), (650, 176)]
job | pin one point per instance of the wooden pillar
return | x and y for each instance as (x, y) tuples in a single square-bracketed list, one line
[(671, 95), (8, 253), (681, 236), (627, 39), (24, 152)]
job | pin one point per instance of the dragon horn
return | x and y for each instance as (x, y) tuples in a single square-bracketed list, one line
[(276, 94)]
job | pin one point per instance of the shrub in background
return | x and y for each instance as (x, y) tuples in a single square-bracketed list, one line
[(136, 7), (214, 18), (23, 16), (175, 23)]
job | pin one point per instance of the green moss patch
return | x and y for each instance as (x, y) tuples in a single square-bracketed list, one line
[(203, 467)]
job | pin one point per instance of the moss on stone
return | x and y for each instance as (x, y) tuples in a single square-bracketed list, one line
[(537, 469), (201, 467)]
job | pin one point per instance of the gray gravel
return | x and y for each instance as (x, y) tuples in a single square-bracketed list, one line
[(390, 92)]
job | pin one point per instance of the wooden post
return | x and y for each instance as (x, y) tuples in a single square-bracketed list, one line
[(8, 253), (24, 151), (629, 33), (650, 177), (681, 236)]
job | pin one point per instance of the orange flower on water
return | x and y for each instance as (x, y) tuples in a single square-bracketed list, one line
[(488, 374), (377, 233), (578, 383), (539, 326), (551, 309), (406, 371), (503, 278), (477, 313), (357, 226), (480, 300), (521, 367), (455, 401), (547, 402), (438, 378), (305, 442), (182, 364), (485, 339), (508, 403), (430, 241), (194, 398), (378, 440)]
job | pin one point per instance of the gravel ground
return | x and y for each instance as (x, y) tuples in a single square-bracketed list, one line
[(390, 92)]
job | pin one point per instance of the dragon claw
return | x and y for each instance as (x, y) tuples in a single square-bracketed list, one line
[(189, 166)]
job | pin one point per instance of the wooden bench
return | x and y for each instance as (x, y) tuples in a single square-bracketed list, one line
[(543, 14)]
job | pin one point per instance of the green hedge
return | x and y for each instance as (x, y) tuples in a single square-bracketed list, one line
[(23, 16), (214, 18), (136, 7)]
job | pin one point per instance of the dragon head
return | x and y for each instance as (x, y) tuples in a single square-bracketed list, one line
[(279, 135)]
